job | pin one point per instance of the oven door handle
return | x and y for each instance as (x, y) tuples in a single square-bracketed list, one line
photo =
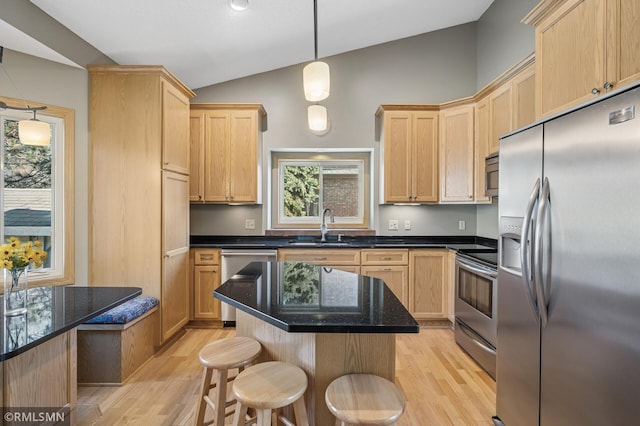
[(482, 272), (478, 343)]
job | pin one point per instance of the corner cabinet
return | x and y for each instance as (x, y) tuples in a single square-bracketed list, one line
[(139, 186), (584, 48), (226, 150), (409, 150), (456, 152)]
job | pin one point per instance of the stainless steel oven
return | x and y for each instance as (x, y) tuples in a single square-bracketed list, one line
[(476, 310)]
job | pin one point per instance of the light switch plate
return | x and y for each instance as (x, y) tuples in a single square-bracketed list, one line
[(407, 225), (249, 224), (393, 224)]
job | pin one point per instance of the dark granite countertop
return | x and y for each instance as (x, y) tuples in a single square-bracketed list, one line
[(300, 297), (258, 242), (53, 310)]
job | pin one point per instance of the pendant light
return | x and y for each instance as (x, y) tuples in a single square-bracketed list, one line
[(317, 117), (315, 76), (32, 131)]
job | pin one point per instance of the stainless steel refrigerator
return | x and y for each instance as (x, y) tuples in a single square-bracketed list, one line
[(568, 348)]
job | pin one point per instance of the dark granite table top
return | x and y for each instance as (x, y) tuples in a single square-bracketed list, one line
[(53, 310), (301, 297)]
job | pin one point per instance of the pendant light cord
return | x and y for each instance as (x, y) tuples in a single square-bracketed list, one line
[(315, 28)]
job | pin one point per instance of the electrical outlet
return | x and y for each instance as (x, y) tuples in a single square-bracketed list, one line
[(407, 225), (462, 225), (393, 225), (249, 224)]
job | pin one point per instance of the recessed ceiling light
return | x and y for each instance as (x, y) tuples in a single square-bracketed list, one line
[(239, 5)]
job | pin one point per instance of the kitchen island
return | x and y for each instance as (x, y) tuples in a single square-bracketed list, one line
[(326, 321), (38, 352)]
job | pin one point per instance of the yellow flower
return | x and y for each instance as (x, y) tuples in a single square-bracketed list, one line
[(16, 255)]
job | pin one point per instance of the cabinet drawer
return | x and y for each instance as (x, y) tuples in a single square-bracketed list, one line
[(321, 256), (207, 257), (385, 257)]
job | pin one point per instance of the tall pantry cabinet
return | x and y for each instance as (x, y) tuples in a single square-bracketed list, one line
[(139, 189)]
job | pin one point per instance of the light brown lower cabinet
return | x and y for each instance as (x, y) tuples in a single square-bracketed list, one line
[(206, 278), (391, 266), (395, 277), (429, 284), (342, 259)]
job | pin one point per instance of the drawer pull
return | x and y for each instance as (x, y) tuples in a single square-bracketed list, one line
[(386, 269), (385, 258), (206, 257), (319, 258)]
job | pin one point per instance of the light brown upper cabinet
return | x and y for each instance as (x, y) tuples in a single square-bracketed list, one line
[(456, 152), (584, 48), (139, 206), (500, 115), (175, 135), (226, 148), (409, 150), (481, 150)]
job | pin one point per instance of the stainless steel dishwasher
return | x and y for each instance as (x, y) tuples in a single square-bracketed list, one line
[(234, 260)]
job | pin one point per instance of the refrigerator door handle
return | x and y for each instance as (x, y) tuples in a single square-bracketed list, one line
[(537, 256), (525, 256)]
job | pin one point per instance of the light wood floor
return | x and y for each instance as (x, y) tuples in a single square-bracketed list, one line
[(443, 386)]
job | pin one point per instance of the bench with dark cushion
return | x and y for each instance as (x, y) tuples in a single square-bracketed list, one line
[(113, 345)]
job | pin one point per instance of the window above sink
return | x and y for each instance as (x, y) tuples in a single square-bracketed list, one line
[(304, 183)]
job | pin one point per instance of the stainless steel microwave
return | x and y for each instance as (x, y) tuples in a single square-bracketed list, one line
[(491, 175)]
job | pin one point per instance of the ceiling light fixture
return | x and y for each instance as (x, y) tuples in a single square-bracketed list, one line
[(315, 76), (32, 131), (239, 5)]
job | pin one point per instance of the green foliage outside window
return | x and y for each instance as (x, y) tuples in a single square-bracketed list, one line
[(301, 284), (301, 191), (25, 166)]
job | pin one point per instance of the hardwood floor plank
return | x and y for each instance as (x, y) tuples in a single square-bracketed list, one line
[(442, 384)]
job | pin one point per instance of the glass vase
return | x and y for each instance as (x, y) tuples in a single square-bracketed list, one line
[(15, 291)]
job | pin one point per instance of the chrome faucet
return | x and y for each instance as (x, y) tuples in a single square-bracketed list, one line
[(323, 227)]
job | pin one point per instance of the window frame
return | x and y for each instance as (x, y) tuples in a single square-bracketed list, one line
[(330, 156), (63, 196)]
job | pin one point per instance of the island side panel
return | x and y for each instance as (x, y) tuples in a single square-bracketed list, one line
[(278, 345), (338, 354), (42, 376), (323, 356)]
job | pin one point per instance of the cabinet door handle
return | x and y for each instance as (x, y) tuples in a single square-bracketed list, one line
[(595, 91), (608, 85)]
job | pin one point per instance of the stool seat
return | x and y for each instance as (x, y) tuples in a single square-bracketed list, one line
[(229, 353), (267, 387), (223, 355), (364, 399)]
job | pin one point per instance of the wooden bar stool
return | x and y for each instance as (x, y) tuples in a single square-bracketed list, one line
[(266, 387), (223, 355), (364, 399)]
